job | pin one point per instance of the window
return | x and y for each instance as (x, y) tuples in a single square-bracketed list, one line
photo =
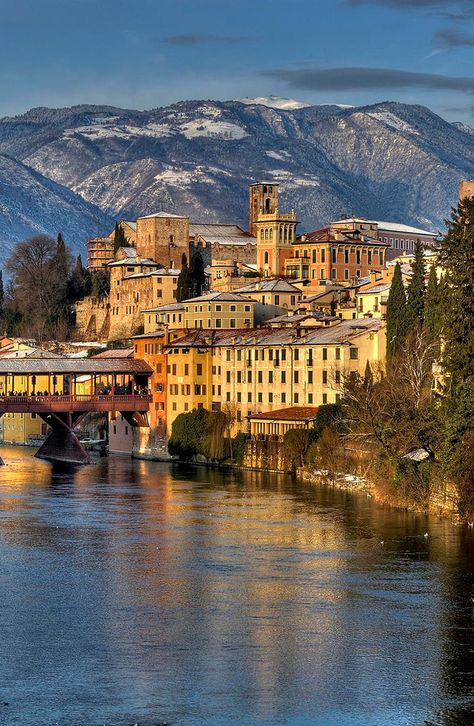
[(270, 376), (247, 309), (277, 299), (325, 377), (346, 274), (338, 354), (259, 376), (296, 398), (227, 355), (249, 397), (283, 376), (232, 308), (358, 257), (325, 353), (323, 256), (315, 252), (338, 376), (296, 376), (296, 354), (232, 322), (346, 256), (310, 398), (218, 323), (369, 257), (283, 397), (199, 369), (310, 376), (353, 353), (227, 376), (239, 376), (265, 258), (270, 398), (259, 397), (249, 376), (334, 255), (239, 397), (218, 308), (325, 398), (186, 369)]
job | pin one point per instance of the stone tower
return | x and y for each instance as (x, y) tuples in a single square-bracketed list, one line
[(163, 238), (466, 189), (263, 199)]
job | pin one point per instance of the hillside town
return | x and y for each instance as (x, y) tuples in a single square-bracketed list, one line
[(271, 325)]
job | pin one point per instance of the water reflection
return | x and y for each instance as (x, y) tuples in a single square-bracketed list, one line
[(138, 592)]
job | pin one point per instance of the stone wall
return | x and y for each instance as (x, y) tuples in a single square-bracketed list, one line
[(266, 455), (92, 319)]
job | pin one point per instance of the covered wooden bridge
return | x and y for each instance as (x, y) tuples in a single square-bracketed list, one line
[(62, 391)]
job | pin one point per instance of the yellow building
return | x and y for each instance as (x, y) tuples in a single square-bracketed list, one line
[(219, 310), (372, 302), (274, 291), (22, 428), (266, 368), (165, 316)]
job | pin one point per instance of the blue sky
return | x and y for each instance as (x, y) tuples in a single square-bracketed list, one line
[(149, 53)]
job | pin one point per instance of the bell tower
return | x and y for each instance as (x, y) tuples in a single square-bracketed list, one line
[(263, 199)]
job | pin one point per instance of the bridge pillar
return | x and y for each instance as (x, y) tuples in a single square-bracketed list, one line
[(62, 443)]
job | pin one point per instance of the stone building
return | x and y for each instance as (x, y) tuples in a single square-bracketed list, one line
[(163, 237), (100, 250), (399, 237)]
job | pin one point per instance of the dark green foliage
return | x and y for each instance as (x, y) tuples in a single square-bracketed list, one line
[(183, 289), (2, 296), (456, 255), (328, 415), (397, 323), (238, 446), (416, 290), (100, 284), (79, 283), (198, 278), (433, 315), (119, 238), (199, 432)]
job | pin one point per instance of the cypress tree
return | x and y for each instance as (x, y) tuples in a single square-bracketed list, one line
[(432, 305), (198, 277), (456, 255), (2, 296), (119, 238), (184, 281), (416, 289), (396, 314)]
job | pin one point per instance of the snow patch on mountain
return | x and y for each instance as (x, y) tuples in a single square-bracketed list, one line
[(217, 129), (182, 177), (284, 104), (393, 121), (278, 155)]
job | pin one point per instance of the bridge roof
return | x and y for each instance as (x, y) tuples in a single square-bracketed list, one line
[(80, 366)]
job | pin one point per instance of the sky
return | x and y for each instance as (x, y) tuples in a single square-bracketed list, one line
[(149, 53)]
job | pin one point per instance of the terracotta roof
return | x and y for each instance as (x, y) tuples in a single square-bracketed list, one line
[(171, 307), (292, 413)]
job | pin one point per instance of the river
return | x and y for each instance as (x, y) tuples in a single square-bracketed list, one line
[(136, 592)]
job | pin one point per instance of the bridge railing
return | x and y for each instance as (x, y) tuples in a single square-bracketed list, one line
[(109, 401)]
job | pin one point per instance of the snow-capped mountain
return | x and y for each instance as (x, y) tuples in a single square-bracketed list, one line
[(389, 161), (30, 204)]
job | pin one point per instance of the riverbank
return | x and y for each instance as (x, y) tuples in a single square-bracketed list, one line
[(442, 501)]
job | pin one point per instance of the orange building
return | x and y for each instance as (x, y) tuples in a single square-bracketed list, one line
[(335, 255), (150, 347)]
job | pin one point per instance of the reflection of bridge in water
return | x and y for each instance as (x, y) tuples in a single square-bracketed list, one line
[(48, 387)]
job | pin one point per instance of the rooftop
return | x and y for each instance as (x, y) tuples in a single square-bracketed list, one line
[(28, 366), (115, 353), (387, 226), (292, 413), (163, 215), (344, 333), (220, 297), (171, 307), (275, 284)]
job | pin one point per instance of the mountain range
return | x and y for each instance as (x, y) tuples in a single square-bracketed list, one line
[(77, 169)]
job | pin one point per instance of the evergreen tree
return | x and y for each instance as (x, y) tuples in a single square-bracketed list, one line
[(456, 255), (79, 282), (119, 238), (397, 324), (197, 275), (432, 305), (183, 291), (416, 289)]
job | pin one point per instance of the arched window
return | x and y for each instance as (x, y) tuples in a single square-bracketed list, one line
[(281, 234), (285, 234), (265, 258), (290, 234), (267, 206), (266, 234), (261, 233), (271, 233)]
